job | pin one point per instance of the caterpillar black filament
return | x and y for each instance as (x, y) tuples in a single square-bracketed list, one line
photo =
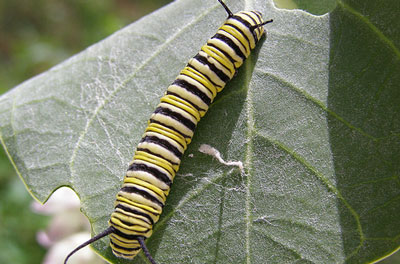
[(157, 158)]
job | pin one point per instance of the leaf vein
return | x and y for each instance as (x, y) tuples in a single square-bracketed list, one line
[(104, 102), (374, 29), (322, 106)]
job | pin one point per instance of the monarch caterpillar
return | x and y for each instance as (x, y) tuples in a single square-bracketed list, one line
[(170, 129)]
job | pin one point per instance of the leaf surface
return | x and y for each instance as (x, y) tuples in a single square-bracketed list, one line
[(312, 115)]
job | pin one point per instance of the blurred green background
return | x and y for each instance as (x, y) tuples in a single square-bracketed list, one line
[(34, 36)]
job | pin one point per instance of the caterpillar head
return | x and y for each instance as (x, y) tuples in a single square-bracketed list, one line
[(250, 23)]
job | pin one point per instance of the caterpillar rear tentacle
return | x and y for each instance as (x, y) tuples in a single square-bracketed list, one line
[(106, 232), (157, 158), (145, 250)]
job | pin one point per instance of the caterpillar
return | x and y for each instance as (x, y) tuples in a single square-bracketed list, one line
[(170, 129)]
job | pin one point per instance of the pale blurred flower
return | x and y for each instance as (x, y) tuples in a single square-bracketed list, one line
[(61, 249), (67, 229)]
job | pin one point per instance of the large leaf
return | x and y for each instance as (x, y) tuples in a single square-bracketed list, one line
[(313, 115)]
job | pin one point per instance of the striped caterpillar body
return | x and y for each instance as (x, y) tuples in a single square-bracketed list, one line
[(170, 129)]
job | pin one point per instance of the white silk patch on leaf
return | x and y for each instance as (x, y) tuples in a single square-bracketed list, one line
[(209, 150)]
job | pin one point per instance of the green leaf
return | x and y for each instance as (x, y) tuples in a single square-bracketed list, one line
[(316, 7), (313, 115)]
